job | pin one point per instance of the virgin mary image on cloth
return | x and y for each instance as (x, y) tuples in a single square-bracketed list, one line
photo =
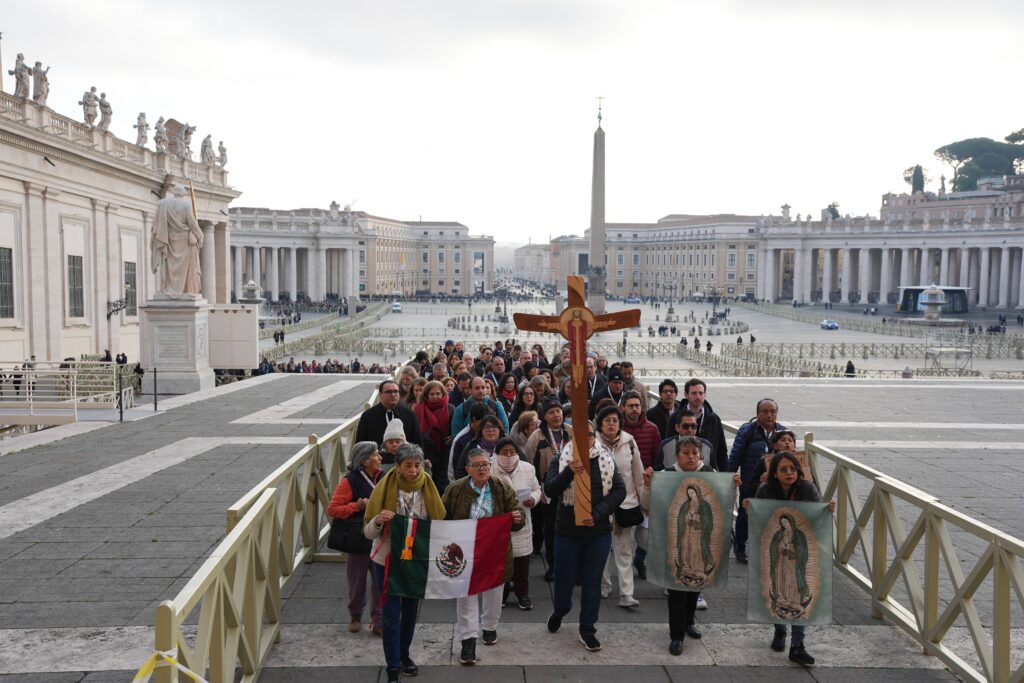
[(689, 525), (787, 577), (694, 561)]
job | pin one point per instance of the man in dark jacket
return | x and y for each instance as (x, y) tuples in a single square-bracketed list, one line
[(709, 425), (581, 551), (375, 419), (661, 413), (751, 443), (613, 390)]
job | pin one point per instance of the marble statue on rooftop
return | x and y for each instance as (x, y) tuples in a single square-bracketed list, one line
[(142, 127), (184, 141), (160, 136), (89, 104), (21, 73), (175, 244), (105, 113), (222, 157), (40, 84), (206, 154)]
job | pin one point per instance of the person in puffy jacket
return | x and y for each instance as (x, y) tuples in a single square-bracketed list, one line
[(752, 441)]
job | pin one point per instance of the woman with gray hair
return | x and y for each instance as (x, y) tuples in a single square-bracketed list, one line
[(405, 490), (350, 499)]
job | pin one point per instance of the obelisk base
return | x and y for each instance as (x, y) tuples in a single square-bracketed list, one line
[(175, 338), (595, 293)]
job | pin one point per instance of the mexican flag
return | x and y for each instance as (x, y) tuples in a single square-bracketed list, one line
[(447, 559)]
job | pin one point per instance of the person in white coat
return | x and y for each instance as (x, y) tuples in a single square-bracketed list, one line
[(508, 466), (629, 514)]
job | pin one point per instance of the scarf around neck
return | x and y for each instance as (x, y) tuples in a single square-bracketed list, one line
[(433, 419), (385, 495)]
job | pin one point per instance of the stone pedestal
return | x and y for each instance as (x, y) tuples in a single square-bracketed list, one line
[(175, 340)]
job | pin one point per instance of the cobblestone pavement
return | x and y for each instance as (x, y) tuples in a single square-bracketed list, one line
[(86, 576)]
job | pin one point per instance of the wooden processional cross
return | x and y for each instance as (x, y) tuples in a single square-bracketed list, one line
[(577, 323)]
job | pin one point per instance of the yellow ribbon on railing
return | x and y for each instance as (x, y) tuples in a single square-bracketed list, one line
[(160, 658)]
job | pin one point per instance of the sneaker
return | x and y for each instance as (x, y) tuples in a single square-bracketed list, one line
[(394, 676), (356, 625), (606, 592), (409, 667), (779, 642), (798, 654), (701, 602), (592, 643), (554, 623), (490, 637), (628, 601), (525, 604), (467, 656), (675, 648)]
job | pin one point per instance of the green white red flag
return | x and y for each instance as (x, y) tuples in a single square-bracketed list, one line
[(447, 559)]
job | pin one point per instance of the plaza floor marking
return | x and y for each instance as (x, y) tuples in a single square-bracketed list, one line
[(26, 512), (279, 414), (780, 383), (314, 646), (959, 426)]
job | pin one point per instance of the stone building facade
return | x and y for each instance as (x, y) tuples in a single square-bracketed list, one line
[(320, 254), (76, 210), (533, 262)]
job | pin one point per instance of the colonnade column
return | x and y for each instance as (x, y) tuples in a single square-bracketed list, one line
[(293, 273), (275, 289), (826, 279), (864, 279), (1004, 278), (239, 256), (1020, 285), (983, 275), (925, 274), (769, 276), (208, 262), (905, 268), (353, 274), (257, 267), (799, 274), (320, 276), (845, 279), (944, 267), (965, 259), (885, 281)]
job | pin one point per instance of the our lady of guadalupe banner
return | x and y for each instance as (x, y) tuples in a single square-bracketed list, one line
[(690, 529), (789, 578)]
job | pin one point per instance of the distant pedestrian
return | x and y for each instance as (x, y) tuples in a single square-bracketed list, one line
[(850, 370), (709, 345)]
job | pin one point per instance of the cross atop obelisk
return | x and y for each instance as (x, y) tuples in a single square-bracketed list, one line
[(598, 270)]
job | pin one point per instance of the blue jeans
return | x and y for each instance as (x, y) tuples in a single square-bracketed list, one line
[(584, 558), (798, 633), (740, 537), (399, 623)]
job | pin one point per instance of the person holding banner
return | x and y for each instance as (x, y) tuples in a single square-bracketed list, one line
[(405, 490), (581, 551), (786, 482), (683, 604), (783, 440), (473, 497)]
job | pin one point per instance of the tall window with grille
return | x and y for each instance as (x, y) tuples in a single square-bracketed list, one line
[(130, 291), (76, 292), (6, 283)]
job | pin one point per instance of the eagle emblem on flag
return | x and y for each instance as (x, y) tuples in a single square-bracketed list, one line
[(451, 561)]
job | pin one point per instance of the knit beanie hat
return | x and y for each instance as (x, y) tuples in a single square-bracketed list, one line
[(549, 404), (395, 430)]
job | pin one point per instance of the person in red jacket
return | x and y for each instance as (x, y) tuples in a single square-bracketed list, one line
[(648, 442), (349, 499)]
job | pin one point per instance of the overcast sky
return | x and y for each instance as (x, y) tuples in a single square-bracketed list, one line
[(483, 111)]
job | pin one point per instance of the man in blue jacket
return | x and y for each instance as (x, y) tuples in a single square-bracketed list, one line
[(477, 394), (752, 442)]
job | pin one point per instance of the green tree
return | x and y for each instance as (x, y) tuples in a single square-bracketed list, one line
[(916, 177), (976, 158), (1016, 136)]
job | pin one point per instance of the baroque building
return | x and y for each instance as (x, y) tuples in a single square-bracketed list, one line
[(76, 210), (320, 254)]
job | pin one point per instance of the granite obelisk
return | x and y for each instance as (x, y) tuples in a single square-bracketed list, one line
[(598, 268)]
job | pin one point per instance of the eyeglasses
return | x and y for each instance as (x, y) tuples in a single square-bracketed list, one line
[(688, 425), (786, 470), (479, 465), (390, 391)]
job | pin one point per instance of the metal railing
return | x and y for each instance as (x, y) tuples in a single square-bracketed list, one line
[(271, 531), (309, 323), (355, 326), (50, 392), (874, 549)]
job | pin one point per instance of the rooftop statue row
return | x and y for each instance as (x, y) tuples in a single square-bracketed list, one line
[(94, 106)]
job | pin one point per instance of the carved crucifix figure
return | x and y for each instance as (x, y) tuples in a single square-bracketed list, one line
[(577, 323)]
